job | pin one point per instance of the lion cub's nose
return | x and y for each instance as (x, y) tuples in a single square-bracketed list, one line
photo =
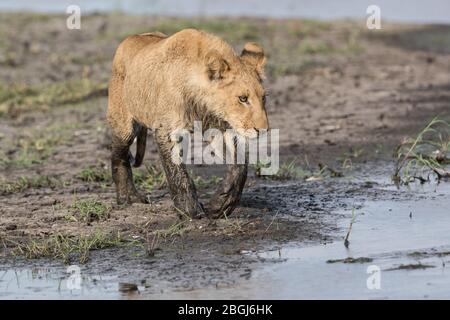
[(260, 130), (262, 123)]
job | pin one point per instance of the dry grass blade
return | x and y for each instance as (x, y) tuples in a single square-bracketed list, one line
[(346, 241)]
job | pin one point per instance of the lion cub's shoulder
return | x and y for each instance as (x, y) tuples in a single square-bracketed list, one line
[(132, 44), (129, 47), (197, 43)]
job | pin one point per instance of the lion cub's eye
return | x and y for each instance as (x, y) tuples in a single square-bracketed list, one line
[(243, 99)]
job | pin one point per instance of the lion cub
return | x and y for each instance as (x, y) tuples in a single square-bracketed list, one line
[(165, 83)]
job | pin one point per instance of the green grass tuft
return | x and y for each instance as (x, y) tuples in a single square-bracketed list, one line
[(91, 210), (202, 183), (66, 247), (24, 183), (150, 180), (95, 174), (16, 99), (425, 155)]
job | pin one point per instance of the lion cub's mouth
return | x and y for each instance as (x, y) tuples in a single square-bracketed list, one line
[(251, 133), (247, 133)]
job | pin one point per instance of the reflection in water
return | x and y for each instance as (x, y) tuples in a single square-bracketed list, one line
[(54, 283)]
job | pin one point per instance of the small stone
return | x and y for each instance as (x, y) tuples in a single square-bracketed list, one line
[(11, 226), (128, 287)]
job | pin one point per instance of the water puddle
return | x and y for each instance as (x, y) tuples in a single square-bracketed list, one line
[(416, 11), (407, 244), (397, 249), (55, 283)]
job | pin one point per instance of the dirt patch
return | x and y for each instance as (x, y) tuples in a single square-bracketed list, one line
[(351, 260), (415, 266), (426, 254)]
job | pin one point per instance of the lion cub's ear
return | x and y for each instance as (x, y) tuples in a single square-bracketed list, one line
[(217, 66), (253, 54)]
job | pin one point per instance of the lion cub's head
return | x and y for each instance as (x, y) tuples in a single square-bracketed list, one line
[(235, 91)]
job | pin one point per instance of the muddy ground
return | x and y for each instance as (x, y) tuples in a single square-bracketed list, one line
[(342, 96)]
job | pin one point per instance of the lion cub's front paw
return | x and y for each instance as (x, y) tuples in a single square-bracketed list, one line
[(139, 198), (190, 207), (214, 212), (130, 198), (220, 208)]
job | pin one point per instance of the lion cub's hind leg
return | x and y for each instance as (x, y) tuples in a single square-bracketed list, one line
[(121, 170)]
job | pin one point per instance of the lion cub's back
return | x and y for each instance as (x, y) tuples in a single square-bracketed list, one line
[(128, 49)]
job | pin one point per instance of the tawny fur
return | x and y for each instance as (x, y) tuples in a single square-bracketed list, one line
[(166, 83)]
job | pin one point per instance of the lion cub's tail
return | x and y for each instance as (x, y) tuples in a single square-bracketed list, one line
[(141, 142)]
